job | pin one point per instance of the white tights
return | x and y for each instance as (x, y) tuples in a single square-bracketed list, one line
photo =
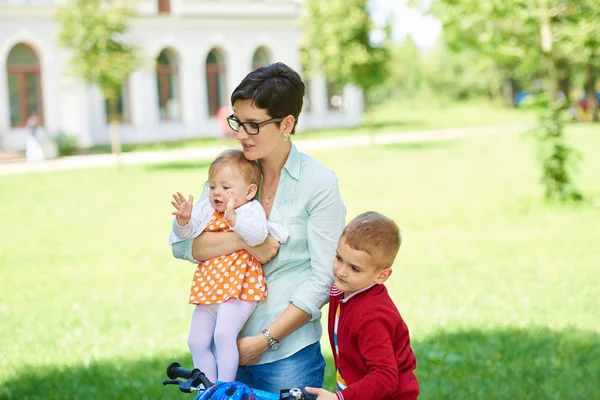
[(224, 329)]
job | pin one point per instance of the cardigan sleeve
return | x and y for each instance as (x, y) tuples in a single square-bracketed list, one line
[(251, 223), (195, 225)]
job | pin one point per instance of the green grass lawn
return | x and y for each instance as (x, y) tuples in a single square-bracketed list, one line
[(500, 290), (390, 117)]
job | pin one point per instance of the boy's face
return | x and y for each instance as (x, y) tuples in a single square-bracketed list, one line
[(354, 270), (228, 180)]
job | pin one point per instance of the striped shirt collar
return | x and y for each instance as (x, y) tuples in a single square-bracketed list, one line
[(345, 299)]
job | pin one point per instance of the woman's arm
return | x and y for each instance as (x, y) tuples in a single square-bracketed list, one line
[(327, 215), (214, 244), (252, 347)]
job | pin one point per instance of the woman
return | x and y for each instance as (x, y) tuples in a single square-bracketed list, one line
[(279, 345)]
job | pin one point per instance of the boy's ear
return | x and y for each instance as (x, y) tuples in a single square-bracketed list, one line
[(251, 192), (383, 276)]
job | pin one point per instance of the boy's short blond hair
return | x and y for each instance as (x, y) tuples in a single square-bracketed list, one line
[(376, 235), (250, 170)]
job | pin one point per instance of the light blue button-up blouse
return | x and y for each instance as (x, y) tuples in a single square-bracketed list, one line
[(309, 205)]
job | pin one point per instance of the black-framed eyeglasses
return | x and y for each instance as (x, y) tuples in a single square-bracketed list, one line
[(251, 128)]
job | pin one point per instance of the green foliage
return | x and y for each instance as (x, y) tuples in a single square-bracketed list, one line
[(547, 38), (459, 76), (338, 42), (503, 31), (94, 31), (406, 78), (558, 160), (438, 74), (67, 144)]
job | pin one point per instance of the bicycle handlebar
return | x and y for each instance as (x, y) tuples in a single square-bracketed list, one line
[(194, 377), (175, 370)]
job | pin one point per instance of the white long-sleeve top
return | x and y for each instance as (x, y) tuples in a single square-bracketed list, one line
[(251, 224)]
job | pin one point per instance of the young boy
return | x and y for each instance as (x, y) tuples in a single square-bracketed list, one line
[(369, 339)]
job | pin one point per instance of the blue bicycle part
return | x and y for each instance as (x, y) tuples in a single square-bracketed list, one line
[(227, 391), (196, 381)]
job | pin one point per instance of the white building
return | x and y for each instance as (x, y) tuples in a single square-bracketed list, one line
[(196, 52)]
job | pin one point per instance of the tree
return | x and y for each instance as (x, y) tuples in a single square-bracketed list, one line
[(501, 31), (339, 43), (94, 31), (406, 78), (532, 34), (579, 40)]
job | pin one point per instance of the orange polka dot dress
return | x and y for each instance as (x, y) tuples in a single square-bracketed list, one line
[(236, 275)]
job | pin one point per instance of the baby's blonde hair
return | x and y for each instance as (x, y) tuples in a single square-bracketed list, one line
[(250, 170), (376, 235)]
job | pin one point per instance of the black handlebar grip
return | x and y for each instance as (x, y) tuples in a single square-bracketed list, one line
[(174, 371), (202, 378)]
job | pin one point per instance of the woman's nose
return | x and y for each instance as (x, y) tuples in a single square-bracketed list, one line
[(241, 134)]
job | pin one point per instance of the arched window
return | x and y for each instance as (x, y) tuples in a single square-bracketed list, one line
[(24, 84), (215, 81), (167, 79), (260, 58), (164, 6)]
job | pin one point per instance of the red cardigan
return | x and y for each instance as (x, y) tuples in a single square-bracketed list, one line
[(376, 359)]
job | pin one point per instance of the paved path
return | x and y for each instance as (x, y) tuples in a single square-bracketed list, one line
[(208, 153)]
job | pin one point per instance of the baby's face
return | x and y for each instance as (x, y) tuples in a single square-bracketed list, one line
[(227, 180)]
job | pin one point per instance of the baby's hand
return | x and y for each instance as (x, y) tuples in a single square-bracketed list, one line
[(321, 394), (230, 214), (183, 208)]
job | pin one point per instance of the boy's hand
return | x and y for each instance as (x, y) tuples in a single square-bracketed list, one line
[(321, 394), (183, 208), (230, 214)]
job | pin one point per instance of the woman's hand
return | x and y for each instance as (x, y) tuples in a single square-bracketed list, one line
[(251, 348), (321, 394), (265, 251)]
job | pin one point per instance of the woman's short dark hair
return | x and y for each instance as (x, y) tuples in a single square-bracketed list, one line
[(276, 88)]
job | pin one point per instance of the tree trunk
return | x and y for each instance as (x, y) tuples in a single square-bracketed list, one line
[(113, 128), (508, 91), (565, 87), (564, 78), (368, 116), (590, 90)]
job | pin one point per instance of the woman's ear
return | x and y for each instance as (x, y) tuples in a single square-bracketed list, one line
[(383, 276), (251, 192), (287, 124)]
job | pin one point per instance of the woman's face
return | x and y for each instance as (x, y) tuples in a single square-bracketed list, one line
[(269, 140)]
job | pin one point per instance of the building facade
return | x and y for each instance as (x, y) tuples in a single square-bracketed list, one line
[(194, 54)]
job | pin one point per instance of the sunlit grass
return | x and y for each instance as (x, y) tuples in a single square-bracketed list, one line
[(499, 289)]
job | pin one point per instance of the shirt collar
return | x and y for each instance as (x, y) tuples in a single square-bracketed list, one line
[(345, 299), (293, 162)]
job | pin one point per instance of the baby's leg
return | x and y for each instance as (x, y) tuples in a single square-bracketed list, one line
[(200, 339), (232, 316)]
